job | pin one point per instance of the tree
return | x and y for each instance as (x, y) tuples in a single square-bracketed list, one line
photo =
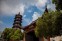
[(47, 17), (40, 30), (58, 23), (17, 36), (46, 25), (6, 32), (12, 34)]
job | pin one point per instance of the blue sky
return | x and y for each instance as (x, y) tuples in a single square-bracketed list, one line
[(29, 9)]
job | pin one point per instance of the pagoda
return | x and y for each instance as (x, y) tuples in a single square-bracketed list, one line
[(17, 21)]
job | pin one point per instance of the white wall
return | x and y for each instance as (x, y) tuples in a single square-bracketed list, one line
[(58, 38)]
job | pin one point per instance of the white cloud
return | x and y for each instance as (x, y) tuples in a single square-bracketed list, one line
[(19, 8), (8, 10), (51, 6), (35, 16), (41, 3), (10, 7)]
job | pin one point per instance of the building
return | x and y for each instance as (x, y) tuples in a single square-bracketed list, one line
[(29, 34), (17, 21)]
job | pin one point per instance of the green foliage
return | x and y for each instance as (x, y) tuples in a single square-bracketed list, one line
[(12, 34), (47, 24), (37, 29), (58, 23), (6, 32)]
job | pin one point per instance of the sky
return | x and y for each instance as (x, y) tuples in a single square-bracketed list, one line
[(29, 9)]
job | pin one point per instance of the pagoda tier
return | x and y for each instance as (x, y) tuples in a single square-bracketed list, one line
[(17, 21), (17, 26), (18, 16)]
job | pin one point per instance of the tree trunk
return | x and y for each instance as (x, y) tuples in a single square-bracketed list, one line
[(41, 38), (48, 38)]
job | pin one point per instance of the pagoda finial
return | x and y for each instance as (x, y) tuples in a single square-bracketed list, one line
[(19, 13)]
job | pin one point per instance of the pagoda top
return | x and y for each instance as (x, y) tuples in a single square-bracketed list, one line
[(19, 13)]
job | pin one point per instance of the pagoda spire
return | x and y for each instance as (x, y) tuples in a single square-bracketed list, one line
[(19, 13), (17, 21)]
